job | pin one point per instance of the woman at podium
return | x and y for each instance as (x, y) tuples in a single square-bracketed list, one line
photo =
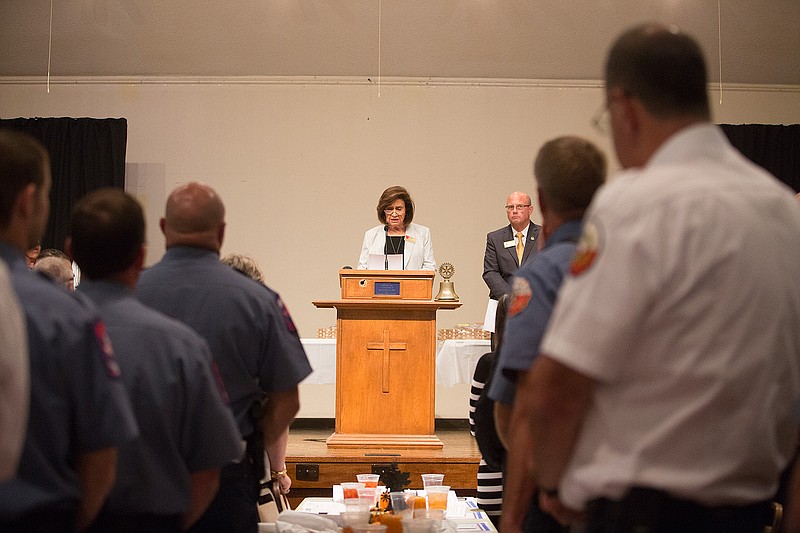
[(397, 235)]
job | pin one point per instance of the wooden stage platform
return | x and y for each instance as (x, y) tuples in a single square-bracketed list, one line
[(315, 468)]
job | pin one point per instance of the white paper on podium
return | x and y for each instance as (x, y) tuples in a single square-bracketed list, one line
[(376, 262), (379, 262), (395, 261), (491, 311)]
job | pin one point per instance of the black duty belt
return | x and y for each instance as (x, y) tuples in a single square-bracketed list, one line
[(646, 510)]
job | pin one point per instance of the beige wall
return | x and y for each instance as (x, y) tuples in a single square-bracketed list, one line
[(300, 163)]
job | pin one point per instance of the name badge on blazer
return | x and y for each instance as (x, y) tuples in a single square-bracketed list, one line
[(509, 244), (411, 239)]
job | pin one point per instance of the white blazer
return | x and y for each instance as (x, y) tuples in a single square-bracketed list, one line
[(417, 254)]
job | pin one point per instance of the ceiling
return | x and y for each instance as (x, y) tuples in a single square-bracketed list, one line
[(506, 39)]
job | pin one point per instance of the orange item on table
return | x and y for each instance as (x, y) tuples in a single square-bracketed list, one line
[(350, 490), (393, 522), (437, 496)]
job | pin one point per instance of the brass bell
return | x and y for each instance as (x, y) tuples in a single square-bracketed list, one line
[(447, 291)]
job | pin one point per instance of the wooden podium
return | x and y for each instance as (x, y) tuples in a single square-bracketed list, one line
[(385, 359)]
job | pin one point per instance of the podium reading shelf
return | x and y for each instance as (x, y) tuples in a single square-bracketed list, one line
[(385, 359)]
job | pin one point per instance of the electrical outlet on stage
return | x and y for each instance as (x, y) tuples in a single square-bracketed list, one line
[(306, 472), (381, 468)]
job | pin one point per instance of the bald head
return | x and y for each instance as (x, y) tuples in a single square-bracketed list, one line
[(194, 217), (518, 210), (518, 197), (57, 268)]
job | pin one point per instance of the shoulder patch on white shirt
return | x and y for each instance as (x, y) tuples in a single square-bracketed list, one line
[(588, 249)]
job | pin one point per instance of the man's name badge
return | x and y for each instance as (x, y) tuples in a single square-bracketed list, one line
[(509, 244)]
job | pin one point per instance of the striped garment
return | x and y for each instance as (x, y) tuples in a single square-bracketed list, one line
[(490, 492), (474, 394), (490, 481)]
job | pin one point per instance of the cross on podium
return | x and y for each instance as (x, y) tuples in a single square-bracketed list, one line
[(385, 347), (385, 313)]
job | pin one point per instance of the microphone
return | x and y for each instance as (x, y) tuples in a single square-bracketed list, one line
[(347, 267), (385, 257)]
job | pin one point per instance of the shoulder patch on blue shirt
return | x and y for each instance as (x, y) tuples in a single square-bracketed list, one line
[(106, 349), (520, 296), (223, 392), (287, 318)]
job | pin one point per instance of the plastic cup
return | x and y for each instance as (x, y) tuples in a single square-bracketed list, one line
[(400, 504), (368, 496), (437, 515), (420, 525), (369, 528), (369, 480), (355, 505), (350, 519), (437, 496), (350, 490), (432, 480)]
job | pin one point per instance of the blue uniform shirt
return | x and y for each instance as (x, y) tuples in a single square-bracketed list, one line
[(78, 403), (184, 424), (251, 335), (534, 291)]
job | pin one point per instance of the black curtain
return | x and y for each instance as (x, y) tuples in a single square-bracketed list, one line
[(774, 147), (85, 154)]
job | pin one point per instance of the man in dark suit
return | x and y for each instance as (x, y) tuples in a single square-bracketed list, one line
[(509, 247)]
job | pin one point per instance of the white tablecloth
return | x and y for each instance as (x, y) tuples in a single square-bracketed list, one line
[(465, 515), (455, 360), (322, 356)]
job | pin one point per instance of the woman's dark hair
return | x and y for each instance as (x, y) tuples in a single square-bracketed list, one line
[(389, 196), (499, 322)]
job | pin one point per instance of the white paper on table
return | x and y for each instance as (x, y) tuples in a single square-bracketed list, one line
[(473, 526), (491, 311), (303, 522), (455, 508), (321, 506)]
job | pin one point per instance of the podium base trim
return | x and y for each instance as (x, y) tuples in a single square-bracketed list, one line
[(360, 440)]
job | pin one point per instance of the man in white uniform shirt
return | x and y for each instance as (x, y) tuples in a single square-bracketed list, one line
[(667, 389)]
